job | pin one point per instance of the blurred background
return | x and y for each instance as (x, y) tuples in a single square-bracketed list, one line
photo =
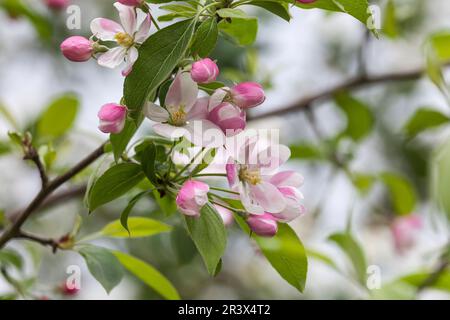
[(361, 168)]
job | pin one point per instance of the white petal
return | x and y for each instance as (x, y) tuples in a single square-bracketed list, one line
[(169, 131), (155, 112), (127, 17), (182, 92), (130, 59), (112, 58), (287, 179), (105, 29), (273, 157), (204, 133), (144, 30), (217, 97), (248, 203), (199, 110)]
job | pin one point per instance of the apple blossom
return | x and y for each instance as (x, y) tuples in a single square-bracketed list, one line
[(77, 49), (133, 3), (204, 71), (57, 4), (404, 230), (192, 196), (264, 225), (112, 118), (247, 94), (182, 111), (126, 36), (229, 118)]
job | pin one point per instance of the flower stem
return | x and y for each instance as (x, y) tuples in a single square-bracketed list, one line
[(224, 190)]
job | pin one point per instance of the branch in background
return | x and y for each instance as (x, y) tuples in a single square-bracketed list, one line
[(43, 241), (32, 154), (354, 84), (14, 230)]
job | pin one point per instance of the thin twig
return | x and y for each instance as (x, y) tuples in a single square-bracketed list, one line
[(40, 198), (43, 241)]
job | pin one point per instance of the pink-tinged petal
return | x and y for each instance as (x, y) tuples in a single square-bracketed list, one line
[(182, 93), (268, 197), (204, 133), (249, 203), (112, 58), (248, 94), (217, 97), (169, 131), (287, 179), (130, 59), (192, 196), (230, 118), (144, 30), (105, 29), (247, 154), (294, 207), (273, 157), (112, 118), (204, 71), (263, 225), (127, 16), (200, 109), (232, 173), (225, 214), (404, 231), (155, 112)]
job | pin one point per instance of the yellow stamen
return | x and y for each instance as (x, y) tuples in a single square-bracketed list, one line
[(251, 176), (124, 39), (178, 117)]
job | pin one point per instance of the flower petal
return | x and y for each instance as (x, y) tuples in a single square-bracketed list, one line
[(268, 197), (155, 112), (204, 133), (112, 58), (169, 131), (182, 93), (273, 157), (130, 59), (105, 29), (287, 179), (127, 16), (199, 110), (248, 202), (144, 30), (217, 97)]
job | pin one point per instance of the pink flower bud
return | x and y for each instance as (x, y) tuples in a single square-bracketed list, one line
[(77, 49), (404, 230), (264, 225), (112, 118), (204, 71), (248, 94), (133, 3), (57, 4), (228, 117), (192, 196), (225, 214), (69, 290)]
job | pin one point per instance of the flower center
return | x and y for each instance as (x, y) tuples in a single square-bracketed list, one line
[(178, 117), (251, 176), (124, 39)]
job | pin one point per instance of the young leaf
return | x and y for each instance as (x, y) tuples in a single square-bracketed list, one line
[(115, 182), (279, 9), (148, 156), (10, 257), (138, 226), (424, 119), (351, 248), (149, 275), (232, 13), (285, 252), (209, 236), (59, 117), (242, 31), (402, 193), (158, 57), (103, 265), (126, 212), (205, 38), (359, 117)]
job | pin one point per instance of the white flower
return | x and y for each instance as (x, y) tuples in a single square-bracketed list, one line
[(127, 36)]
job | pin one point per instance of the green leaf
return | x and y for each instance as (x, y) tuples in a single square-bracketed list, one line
[(59, 117), (10, 257), (205, 38), (158, 57), (440, 179), (279, 9), (363, 182), (4, 148), (209, 236), (242, 31), (126, 212), (424, 119), (232, 13), (103, 265), (359, 117), (119, 141), (149, 275), (285, 252), (148, 156), (440, 43), (139, 227), (390, 28), (352, 249), (402, 193), (115, 182), (305, 151), (416, 279)]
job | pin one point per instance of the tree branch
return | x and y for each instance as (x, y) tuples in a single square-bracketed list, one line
[(352, 84), (43, 241), (14, 230)]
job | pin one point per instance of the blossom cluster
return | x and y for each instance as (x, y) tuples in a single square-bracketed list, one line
[(188, 112)]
